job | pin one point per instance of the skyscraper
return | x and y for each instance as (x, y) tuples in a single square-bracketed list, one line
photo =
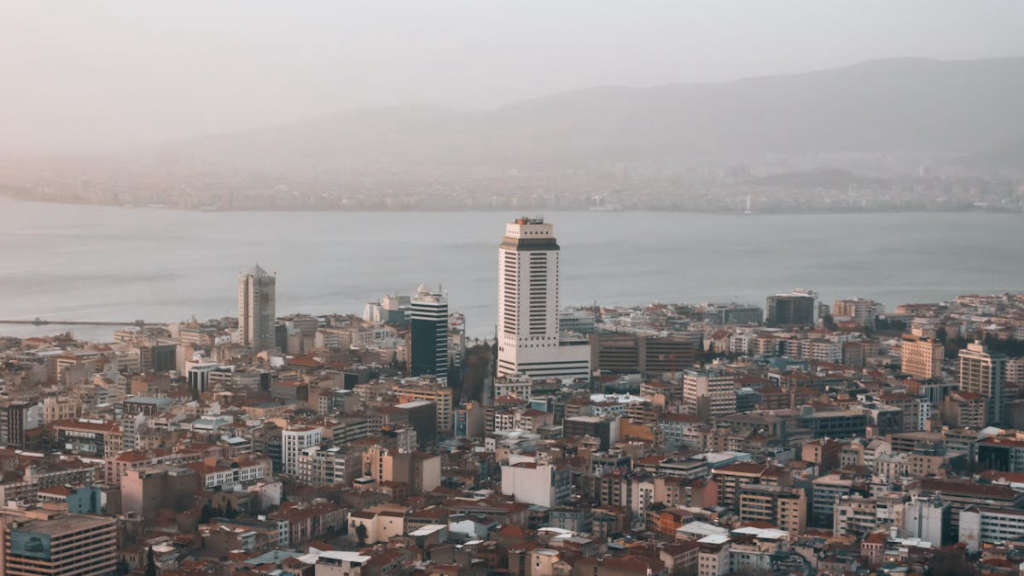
[(529, 341), (428, 333), (984, 372), (257, 308)]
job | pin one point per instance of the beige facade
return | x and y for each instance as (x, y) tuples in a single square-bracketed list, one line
[(921, 358), (435, 392)]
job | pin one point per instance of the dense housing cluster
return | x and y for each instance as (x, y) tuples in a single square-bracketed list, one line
[(703, 440)]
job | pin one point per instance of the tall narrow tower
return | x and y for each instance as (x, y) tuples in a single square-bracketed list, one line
[(984, 372), (257, 308), (428, 333), (528, 306)]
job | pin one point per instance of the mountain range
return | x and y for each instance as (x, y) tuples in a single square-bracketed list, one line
[(967, 112), (888, 134)]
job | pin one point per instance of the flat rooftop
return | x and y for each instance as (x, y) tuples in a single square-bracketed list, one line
[(413, 404), (65, 524)]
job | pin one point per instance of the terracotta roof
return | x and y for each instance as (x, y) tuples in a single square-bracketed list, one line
[(512, 531), (741, 468), (967, 488)]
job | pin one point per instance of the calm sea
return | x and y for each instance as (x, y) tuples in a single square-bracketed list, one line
[(111, 263)]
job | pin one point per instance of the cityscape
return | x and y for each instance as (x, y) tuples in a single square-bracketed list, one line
[(797, 437), (512, 288)]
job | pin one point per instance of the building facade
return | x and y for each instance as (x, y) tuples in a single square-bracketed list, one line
[(793, 309), (257, 302), (921, 358), (428, 334), (984, 373), (529, 339), (75, 544)]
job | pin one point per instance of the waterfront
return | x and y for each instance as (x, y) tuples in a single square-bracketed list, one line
[(108, 263)]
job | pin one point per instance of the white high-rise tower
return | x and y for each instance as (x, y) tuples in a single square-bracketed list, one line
[(528, 304), (257, 303)]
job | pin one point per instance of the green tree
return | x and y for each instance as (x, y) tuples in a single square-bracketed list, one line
[(205, 513), (361, 534), (828, 322)]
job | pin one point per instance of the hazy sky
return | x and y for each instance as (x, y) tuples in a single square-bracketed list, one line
[(91, 75)]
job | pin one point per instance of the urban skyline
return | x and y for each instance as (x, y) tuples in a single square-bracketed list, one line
[(764, 416), (461, 288)]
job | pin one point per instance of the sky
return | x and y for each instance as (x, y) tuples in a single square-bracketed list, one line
[(82, 76)]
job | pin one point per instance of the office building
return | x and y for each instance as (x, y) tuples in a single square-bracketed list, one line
[(733, 314), (776, 505), (983, 372), (988, 525), (959, 495), (826, 491), (709, 393), (520, 387), (257, 309), (860, 311), (921, 358), (428, 334), (421, 415), (792, 309), (835, 423), (435, 392), (13, 417), (293, 441), (529, 338), (69, 545), (646, 354)]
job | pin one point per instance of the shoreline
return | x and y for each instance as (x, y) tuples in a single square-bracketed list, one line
[(513, 209)]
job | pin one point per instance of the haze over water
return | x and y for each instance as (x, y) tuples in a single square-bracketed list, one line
[(109, 263)]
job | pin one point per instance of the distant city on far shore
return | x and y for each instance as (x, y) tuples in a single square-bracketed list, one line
[(512, 288)]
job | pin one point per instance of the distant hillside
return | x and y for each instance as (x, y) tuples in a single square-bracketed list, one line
[(886, 135), (917, 108)]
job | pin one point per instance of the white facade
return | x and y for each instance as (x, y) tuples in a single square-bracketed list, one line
[(990, 526), (228, 477), (529, 483), (338, 563), (293, 442), (257, 301), (515, 386), (529, 339), (923, 519), (713, 558)]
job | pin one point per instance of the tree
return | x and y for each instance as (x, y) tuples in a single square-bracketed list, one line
[(361, 533), (150, 562), (950, 561), (205, 513), (229, 510)]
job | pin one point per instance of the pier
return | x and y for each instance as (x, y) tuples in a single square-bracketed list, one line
[(42, 322)]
